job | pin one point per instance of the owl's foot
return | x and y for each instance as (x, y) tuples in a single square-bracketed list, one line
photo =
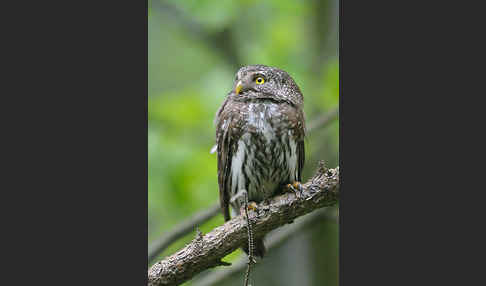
[(251, 206), (243, 196), (296, 187)]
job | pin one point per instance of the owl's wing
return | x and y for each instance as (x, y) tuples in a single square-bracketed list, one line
[(225, 147)]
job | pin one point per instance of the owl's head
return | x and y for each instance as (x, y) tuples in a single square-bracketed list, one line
[(263, 82)]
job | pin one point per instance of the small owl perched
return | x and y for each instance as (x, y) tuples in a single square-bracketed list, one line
[(260, 133)]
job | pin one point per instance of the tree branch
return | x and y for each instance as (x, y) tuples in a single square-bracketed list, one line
[(206, 251), (221, 40), (275, 240), (323, 120), (180, 230)]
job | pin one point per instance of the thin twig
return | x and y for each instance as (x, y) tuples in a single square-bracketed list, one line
[(323, 120), (180, 230)]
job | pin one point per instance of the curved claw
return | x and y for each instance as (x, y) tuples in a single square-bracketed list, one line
[(252, 206), (296, 187)]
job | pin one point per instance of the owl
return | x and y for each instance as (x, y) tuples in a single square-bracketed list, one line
[(260, 131)]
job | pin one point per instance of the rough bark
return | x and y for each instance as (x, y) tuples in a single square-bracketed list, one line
[(274, 241), (206, 251)]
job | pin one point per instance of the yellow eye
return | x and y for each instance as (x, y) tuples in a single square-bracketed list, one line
[(259, 80)]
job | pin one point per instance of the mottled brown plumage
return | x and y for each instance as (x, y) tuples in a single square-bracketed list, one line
[(260, 133)]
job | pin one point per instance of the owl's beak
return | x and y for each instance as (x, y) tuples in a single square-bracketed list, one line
[(238, 87)]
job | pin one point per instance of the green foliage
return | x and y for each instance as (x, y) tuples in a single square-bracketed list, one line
[(189, 78)]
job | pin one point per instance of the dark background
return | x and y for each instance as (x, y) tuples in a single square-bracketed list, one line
[(74, 143)]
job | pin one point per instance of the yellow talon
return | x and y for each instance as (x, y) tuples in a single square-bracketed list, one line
[(252, 206), (296, 187)]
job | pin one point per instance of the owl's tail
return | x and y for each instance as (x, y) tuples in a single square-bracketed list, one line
[(258, 248)]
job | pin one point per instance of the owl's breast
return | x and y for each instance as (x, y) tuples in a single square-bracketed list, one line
[(265, 156), (265, 119)]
